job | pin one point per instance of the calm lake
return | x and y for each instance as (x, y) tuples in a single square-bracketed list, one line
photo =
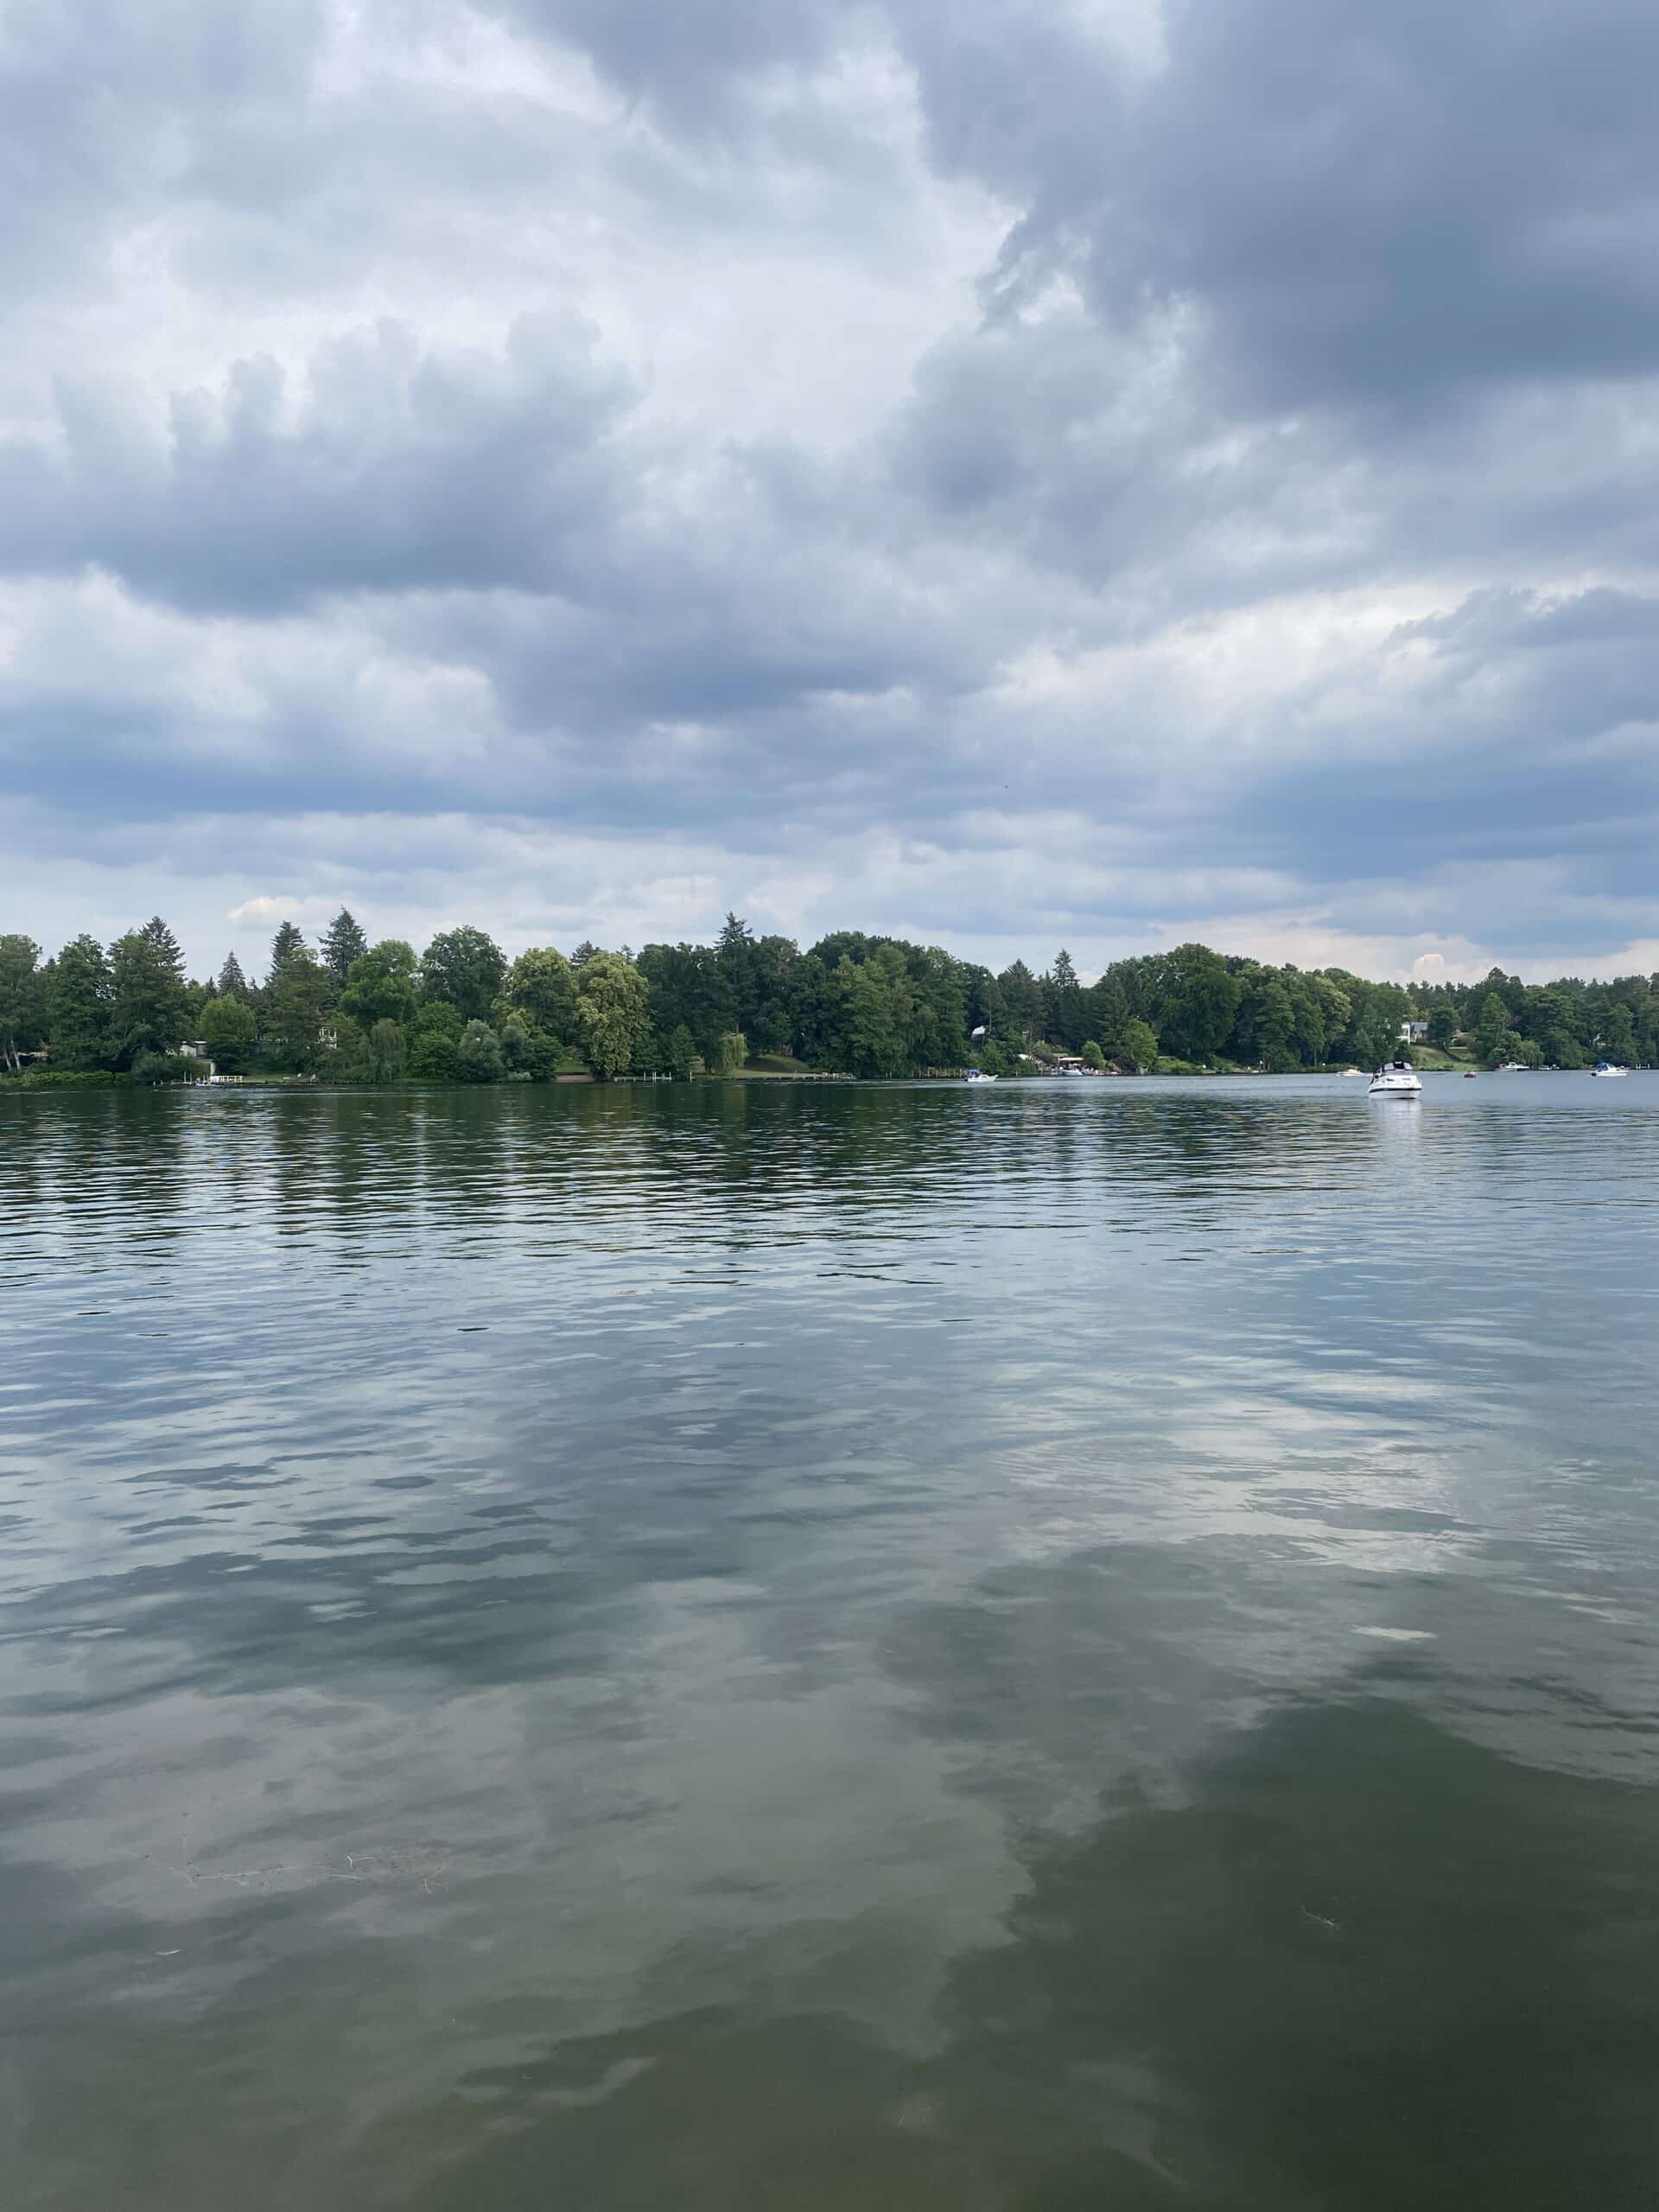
[(1086, 1644)]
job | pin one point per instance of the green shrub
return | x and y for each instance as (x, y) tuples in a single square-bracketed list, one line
[(66, 1079)]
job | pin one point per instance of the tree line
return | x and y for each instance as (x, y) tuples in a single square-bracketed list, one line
[(463, 1012)]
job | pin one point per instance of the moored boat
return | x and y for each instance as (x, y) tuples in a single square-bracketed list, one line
[(978, 1075), (1608, 1067), (1396, 1079)]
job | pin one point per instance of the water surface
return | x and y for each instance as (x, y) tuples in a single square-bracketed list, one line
[(1079, 1644)]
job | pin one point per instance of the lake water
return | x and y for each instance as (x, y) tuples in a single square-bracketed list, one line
[(1073, 1645)]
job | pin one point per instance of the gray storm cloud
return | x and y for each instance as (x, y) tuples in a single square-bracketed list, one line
[(1215, 447)]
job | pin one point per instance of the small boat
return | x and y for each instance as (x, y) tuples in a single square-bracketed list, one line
[(978, 1075), (1608, 1067), (1396, 1079), (1468, 1075)]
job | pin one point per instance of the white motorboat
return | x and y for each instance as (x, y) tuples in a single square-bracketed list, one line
[(1396, 1079), (1608, 1067), (978, 1075)]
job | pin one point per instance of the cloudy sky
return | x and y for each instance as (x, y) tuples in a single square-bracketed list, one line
[(1009, 472)]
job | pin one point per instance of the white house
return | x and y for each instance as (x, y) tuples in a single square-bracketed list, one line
[(1414, 1032)]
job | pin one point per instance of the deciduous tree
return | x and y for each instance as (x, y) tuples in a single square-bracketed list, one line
[(540, 986), (387, 1052), (613, 1012), (465, 968), (1139, 1044), (1193, 997), (228, 1028), (479, 1053), (381, 984)]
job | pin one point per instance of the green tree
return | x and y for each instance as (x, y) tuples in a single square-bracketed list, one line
[(387, 1052), (345, 1059), (1064, 997), (151, 1068), (22, 999), (814, 1014), (613, 1012), (1193, 997), (434, 1055), (735, 951), (344, 941), (439, 1018), (228, 1028), (1105, 1010), (873, 1017), (1139, 1046), (79, 1006), (540, 986), (433, 1058), (1311, 1009), (287, 942), (1510, 989), (764, 1015), (526, 1052), (1339, 1006), (1093, 1057), (293, 1012), (464, 968), (1619, 1035), (381, 984), (233, 983), (1275, 1025), (690, 985), (479, 1054), (939, 1023), (734, 1051), (680, 1049), (1022, 1000), (1387, 1009), (1492, 1034), (147, 996), (1442, 1026)]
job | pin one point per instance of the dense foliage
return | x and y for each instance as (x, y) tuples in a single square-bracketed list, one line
[(864, 1006)]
